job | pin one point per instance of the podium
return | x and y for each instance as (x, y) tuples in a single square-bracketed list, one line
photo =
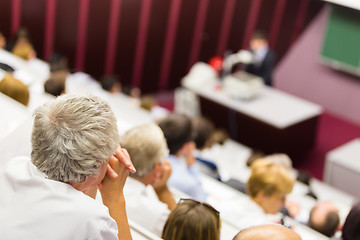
[(273, 121)]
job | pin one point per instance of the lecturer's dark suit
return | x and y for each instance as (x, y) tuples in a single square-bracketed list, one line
[(263, 69)]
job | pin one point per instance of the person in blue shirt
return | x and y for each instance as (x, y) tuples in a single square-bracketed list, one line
[(185, 177)]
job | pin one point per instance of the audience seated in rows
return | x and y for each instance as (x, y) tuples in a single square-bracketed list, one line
[(74, 148), (147, 147), (14, 88), (267, 232), (192, 220), (178, 132)]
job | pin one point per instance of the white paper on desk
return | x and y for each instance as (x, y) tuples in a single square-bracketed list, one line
[(24, 76)]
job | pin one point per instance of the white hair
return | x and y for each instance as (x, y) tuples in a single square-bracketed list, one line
[(146, 145), (72, 136)]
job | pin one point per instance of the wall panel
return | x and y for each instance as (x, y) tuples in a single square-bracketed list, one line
[(266, 14), (5, 17), (32, 17), (238, 25), (212, 30), (97, 34), (66, 29), (287, 27), (126, 42), (155, 45), (183, 42)]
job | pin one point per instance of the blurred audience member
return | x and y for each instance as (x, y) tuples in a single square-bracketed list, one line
[(111, 84), (324, 218), (192, 220), (21, 45), (58, 62), (268, 185), (149, 103), (178, 132), (147, 147), (2, 41), (219, 136), (203, 130), (351, 227), (15, 89), (267, 188), (267, 232), (55, 85)]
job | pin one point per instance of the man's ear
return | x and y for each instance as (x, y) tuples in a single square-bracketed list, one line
[(156, 170)]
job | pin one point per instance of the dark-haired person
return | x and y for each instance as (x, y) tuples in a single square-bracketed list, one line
[(185, 177), (351, 227), (324, 218), (264, 57)]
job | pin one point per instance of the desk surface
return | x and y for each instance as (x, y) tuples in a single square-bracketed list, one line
[(272, 106), (34, 70), (347, 155), (13, 114)]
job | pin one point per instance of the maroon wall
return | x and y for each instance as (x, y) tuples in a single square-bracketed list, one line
[(154, 41)]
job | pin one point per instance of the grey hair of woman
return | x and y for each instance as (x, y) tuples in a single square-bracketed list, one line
[(146, 145), (72, 136)]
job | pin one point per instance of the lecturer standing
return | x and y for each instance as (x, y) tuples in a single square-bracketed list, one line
[(264, 58)]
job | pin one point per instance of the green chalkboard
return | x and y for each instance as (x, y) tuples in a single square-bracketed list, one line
[(341, 44)]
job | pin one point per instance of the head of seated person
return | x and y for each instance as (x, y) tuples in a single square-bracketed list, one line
[(15, 89), (219, 136), (22, 45), (55, 85), (147, 102), (58, 62), (111, 84), (281, 159), (72, 139), (192, 220), (324, 218), (2, 40), (203, 129), (269, 184), (267, 232), (351, 227), (178, 132), (147, 147)]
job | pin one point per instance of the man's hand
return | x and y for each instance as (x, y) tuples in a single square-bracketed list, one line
[(112, 189), (118, 169), (161, 188), (164, 175)]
